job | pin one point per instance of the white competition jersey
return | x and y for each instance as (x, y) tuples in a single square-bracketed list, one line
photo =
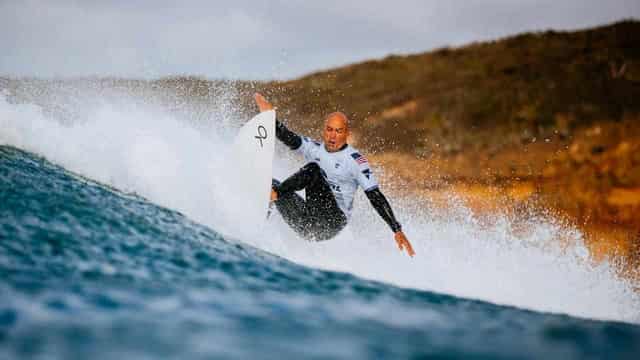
[(345, 170)]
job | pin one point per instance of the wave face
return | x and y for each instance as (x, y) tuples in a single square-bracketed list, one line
[(89, 272), (146, 262)]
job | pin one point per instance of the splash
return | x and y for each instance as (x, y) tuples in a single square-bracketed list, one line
[(135, 145)]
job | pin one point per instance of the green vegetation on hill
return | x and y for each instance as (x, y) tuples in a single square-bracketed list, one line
[(486, 94)]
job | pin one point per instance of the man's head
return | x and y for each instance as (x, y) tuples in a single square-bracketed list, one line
[(336, 131)]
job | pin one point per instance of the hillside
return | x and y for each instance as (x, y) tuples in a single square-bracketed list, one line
[(537, 82)]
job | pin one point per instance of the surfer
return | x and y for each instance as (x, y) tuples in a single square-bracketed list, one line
[(330, 179)]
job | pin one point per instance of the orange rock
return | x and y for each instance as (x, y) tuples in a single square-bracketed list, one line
[(576, 153), (549, 171), (521, 191), (624, 197), (622, 149)]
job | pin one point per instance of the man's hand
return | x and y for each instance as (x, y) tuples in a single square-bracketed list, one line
[(262, 103), (403, 243)]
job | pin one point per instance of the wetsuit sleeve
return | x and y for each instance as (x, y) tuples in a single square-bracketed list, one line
[(368, 182), (380, 203), (288, 137)]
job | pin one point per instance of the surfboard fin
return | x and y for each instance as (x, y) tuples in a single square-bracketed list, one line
[(269, 210)]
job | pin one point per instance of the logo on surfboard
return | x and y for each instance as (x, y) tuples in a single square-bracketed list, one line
[(262, 134)]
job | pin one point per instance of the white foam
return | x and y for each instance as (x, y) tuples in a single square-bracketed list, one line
[(140, 148)]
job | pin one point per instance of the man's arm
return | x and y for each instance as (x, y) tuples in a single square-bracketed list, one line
[(380, 203), (288, 137), (364, 176)]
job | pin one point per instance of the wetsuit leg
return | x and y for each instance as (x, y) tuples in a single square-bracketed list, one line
[(322, 205), (318, 217), (293, 209)]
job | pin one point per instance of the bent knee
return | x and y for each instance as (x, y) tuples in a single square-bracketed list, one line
[(312, 166)]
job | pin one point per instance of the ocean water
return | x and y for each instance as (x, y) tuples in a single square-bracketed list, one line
[(116, 241)]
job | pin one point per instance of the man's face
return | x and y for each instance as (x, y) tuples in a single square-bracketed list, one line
[(335, 132)]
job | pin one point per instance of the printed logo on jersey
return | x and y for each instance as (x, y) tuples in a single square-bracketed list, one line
[(335, 187), (367, 173), (359, 158), (337, 165)]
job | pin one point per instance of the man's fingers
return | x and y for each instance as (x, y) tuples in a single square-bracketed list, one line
[(399, 241), (262, 102), (410, 251), (404, 244), (408, 246)]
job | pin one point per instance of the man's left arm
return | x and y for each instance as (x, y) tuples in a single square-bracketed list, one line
[(367, 181), (380, 203)]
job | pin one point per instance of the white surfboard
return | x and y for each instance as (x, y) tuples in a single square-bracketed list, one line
[(252, 167)]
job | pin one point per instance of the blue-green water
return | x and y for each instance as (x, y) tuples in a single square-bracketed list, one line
[(88, 272)]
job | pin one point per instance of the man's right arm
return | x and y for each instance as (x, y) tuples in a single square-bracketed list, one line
[(288, 137)]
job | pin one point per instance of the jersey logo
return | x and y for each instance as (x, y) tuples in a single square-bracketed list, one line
[(359, 158), (337, 165), (334, 187), (367, 173)]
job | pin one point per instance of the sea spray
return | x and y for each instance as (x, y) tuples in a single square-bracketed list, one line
[(137, 146)]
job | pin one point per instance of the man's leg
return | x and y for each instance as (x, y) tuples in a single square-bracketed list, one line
[(319, 217), (322, 206), (293, 210)]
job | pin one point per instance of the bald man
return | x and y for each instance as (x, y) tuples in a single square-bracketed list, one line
[(333, 173)]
